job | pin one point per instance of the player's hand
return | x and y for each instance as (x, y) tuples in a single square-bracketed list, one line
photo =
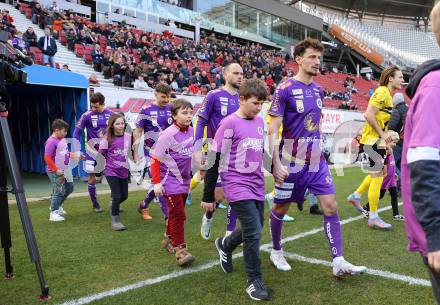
[(158, 189), (59, 173), (279, 173), (202, 174), (208, 206), (434, 260)]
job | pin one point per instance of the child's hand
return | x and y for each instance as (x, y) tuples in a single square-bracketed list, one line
[(158, 189), (59, 172)]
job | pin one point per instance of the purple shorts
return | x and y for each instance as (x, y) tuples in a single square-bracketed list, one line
[(318, 181)]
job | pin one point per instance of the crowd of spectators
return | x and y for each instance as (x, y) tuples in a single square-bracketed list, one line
[(134, 58)]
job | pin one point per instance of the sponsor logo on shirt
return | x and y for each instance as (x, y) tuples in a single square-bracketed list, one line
[(224, 99), (309, 124), (299, 106), (309, 93), (319, 103), (297, 91), (260, 130), (254, 144), (153, 112)]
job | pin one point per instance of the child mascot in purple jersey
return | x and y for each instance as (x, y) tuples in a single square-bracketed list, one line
[(238, 147), (218, 105), (421, 163), (152, 120), (115, 148), (298, 163), (94, 122)]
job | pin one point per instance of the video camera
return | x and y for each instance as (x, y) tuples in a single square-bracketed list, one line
[(11, 60)]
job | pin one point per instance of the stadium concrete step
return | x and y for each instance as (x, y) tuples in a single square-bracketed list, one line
[(63, 56)]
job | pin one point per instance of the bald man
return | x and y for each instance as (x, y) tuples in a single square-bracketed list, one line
[(421, 163), (217, 105)]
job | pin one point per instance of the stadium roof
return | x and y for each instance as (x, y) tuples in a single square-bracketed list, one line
[(402, 8)]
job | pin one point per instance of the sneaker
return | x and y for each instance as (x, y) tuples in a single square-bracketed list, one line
[(399, 217), (205, 229), (378, 223), (189, 199), (54, 216), (228, 233), (97, 209), (279, 261), (183, 257), (288, 218), (256, 290), (221, 206), (61, 211), (341, 267), (356, 201), (166, 243), (315, 210), (225, 258)]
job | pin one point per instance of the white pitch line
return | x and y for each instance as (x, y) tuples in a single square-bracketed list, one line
[(176, 274), (386, 274)]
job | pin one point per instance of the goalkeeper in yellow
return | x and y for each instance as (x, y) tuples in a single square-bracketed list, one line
[(375, 138)]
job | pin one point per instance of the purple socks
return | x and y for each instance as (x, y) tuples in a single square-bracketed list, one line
[(332, 230), (276, 227), (146, 202), (231, 219), (92, 192)]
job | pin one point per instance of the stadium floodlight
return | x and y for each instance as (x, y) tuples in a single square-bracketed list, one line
[(10, 73)]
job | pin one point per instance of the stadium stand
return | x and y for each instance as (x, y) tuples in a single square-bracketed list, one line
[(130, 52)]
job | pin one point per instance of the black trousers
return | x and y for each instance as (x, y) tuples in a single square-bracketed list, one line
[(119, 192), (251, 216), (434, 276)]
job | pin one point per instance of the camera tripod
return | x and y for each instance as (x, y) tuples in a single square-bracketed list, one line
[(8, 161)]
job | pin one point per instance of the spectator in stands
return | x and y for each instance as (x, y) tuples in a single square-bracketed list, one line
[(218, 80), (130, 76), (37, 11), (193, 89), (54, 7), (204, 80), (30, 37), (48, 46), (182, 83), (19, 43), (140, 83), (7, 18), (66, 67), (93, 80), (97, 58)]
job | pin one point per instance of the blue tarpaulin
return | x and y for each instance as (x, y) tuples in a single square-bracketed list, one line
[(49, 94)]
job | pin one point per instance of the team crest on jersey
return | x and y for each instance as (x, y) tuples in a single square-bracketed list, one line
[(297, 91), (319, 102), (299, 106), (309, 124), (309, 92), (170, 121), (224, 108), (260, 131)]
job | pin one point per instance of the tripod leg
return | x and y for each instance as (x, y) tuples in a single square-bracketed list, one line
[(17, 185), (5, 229)]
